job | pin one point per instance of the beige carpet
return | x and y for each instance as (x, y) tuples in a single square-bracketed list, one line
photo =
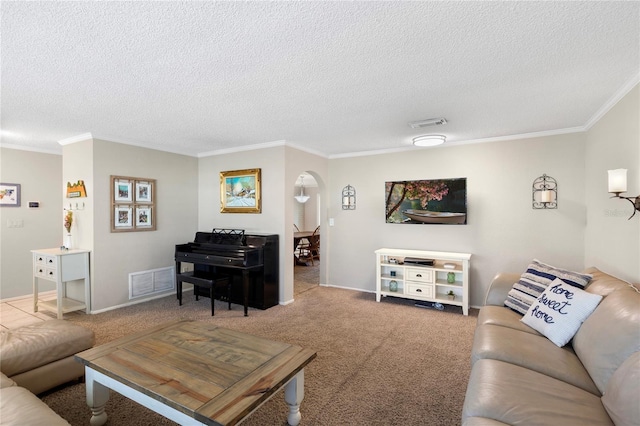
[(387, 363), (306, 277)]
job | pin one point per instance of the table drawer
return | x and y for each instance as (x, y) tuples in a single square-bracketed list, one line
[(422, 275), (42, 271), (420, 290)]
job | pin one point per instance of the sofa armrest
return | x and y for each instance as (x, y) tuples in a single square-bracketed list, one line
[(499, 288)]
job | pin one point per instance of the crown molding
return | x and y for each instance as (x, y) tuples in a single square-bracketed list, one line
[(624, 90), (30, 148), (74, 139), (307, 150), (242, 148)]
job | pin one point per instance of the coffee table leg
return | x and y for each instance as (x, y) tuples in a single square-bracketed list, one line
[(97, 396), (293, 396)]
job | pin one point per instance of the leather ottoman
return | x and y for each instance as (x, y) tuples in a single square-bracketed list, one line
[(40, 356)]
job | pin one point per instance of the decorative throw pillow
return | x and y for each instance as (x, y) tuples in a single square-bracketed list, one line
[(560, 310), (535, 280)]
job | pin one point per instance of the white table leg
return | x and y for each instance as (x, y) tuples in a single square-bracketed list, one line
[(35, 293), (293, 396), (97, 397)]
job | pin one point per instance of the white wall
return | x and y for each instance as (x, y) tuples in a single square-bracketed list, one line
[(115, 255), (40, 177), (280, 166), (77, 164), (613, 241), (503, 232)]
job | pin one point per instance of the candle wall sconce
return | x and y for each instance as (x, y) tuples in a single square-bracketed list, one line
[(618, 185), (544, 193), (348, 198)]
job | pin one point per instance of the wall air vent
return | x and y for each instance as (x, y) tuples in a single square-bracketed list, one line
[(428, 122), (145, 283)]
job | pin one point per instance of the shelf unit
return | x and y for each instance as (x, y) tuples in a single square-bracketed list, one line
[(430, 283), (61, 266)]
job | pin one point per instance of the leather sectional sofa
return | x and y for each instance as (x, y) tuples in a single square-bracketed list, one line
[(519, 376), (34, 359)]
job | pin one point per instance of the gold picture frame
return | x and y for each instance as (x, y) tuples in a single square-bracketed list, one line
[(240, 191), (133, 202)]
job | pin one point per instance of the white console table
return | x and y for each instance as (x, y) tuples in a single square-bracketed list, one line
[(398, 278), (61, 266)]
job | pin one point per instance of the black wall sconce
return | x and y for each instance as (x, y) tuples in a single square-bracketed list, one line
[(348, 198), (618, 185), (544, 193)]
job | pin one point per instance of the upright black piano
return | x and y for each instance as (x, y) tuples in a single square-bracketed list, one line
[(250, 260)]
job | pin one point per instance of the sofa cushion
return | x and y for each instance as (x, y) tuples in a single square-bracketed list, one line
[(535, 280), (610, 335), (515, 395), (560, 310), (5, 382), (19, 407), (620, 399), (504, 317), (35, 345), (602, 283), (533, 352)]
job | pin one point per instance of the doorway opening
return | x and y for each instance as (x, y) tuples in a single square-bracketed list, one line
[(307, 236)]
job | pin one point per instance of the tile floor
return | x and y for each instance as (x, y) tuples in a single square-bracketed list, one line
[(19, 312)]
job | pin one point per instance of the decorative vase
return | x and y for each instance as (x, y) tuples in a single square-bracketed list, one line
[(67, 241), (451, 277), (393, 285), (451, 296)]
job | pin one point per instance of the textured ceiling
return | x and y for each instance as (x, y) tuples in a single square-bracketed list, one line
[(330, 77)]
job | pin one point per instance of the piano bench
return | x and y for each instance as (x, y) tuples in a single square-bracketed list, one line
[(203, 282)]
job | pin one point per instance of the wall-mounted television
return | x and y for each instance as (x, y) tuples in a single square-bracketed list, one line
[(433, 201)]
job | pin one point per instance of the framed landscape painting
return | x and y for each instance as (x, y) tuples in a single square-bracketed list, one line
[(240, 191), (434, 201)]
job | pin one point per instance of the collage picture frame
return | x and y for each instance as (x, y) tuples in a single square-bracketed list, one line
[(132, 204)]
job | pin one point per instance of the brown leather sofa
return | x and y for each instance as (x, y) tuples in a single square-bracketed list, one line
[(518, 376), (34, 359)]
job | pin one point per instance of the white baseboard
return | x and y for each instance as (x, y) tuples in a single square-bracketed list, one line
[(135, 302), (30, 296), (348, 288)]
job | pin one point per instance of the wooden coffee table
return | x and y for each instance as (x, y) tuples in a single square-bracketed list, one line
[(195, 373)]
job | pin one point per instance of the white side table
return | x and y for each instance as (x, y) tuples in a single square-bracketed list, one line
[(61, 266)]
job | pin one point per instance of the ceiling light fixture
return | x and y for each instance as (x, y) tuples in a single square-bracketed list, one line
[(428, 122), (302, 198), (429, 140)]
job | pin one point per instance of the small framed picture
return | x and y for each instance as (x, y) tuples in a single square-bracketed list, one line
[(144, 217), (9, 195), (122, 191), (123, 217), (143, 192)]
